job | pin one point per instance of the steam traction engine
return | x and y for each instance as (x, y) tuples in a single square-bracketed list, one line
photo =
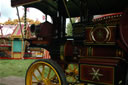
[(98, 48), (96, 51), (102, 55)]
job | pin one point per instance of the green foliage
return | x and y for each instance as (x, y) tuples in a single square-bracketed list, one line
[(14, 67), (69, 27)]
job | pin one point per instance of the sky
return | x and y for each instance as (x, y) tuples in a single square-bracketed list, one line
[(7, 12)]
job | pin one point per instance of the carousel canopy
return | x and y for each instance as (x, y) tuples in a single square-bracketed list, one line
[(17, 33), (7, 30)]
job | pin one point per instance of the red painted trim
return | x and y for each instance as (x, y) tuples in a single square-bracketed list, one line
[(33, 58), (8, 58), (14, 30), (20, 29), (106, 15), (5, 45)]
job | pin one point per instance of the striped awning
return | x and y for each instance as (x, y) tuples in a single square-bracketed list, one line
[(19, 31)]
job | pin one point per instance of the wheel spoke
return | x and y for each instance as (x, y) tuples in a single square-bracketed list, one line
[(49, 73), (43, 71), (42, 77), (39, 71), (35, 77), (34, 81), (53, 77)]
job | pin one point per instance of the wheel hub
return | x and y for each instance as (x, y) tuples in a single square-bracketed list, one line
[(41, 83)]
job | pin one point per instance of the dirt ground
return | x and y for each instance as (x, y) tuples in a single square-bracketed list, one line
[(12, 80)]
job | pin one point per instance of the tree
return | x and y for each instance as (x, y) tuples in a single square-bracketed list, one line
[(69, 27)]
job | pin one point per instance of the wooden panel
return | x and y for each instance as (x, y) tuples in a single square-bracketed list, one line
[(102, 70), (87, 34), (124, 28), (110, 61), (68, 49), (111, 38), (113, 34), (40, 42), (97, 74), (104, 51)]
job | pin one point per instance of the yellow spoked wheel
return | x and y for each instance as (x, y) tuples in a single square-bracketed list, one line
[(45, 72), (72, 73)]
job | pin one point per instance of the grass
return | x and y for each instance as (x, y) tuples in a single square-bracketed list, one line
[(14, 67), (2, 84)]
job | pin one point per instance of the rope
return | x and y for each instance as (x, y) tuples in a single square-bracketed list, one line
[(19, 21)]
